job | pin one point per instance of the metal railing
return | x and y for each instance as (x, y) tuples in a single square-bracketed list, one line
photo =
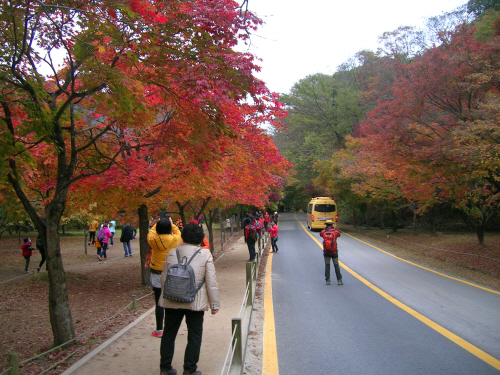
[(235, 357)]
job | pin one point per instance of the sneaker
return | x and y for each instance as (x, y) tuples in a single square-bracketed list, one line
[(160, 334), (98, 257), (126, 256), (105, 258), (340, 282), (38, 269), (171, 372), (26, 271), (327, 282), (192, 373)]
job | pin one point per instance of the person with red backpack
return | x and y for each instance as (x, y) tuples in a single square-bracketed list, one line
[(330, 251), (251, 237)]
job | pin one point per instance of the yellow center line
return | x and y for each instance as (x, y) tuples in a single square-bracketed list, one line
[(492, 361), (270, 355)]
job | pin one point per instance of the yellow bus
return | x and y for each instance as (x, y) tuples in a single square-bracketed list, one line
[(319, 210)]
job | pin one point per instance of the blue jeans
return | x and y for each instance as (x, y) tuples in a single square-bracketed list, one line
[(104, 248), (273, 244), (125, 245)]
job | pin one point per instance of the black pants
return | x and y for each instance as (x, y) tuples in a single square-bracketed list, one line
[(42, 253), (91, 237), (159, 311), (27, 263), (173, 320), (251, 249), (335, 264)]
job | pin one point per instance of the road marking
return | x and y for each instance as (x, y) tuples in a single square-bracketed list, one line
[(270, 355), (492, 361), (425, 268)]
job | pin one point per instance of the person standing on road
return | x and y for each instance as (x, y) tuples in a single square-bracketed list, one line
[(251, 237), (330, 251), (273, 232), (126, 237), (162, 237), (206, 298)]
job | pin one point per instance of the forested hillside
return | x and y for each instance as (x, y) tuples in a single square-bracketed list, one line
[(408, 134)]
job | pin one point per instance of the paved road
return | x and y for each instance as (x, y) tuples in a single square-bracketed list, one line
[(389, 317)]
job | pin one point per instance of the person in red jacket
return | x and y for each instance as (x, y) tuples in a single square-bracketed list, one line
[(27, 252), (273, 232), (330, 252), (251, 237), (267, 220)]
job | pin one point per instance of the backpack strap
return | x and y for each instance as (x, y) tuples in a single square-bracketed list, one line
[(189, 261)]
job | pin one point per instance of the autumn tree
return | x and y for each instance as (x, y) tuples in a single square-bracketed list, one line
[(86, 85)]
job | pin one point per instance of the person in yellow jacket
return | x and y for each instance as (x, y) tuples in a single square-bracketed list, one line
[(92, 230), (162, 237)]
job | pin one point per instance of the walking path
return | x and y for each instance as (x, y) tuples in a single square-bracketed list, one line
[(134, 351)]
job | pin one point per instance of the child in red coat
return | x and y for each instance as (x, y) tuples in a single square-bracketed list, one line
[(27, 252)]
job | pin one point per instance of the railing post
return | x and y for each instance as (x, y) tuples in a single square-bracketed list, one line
[(250, 283), (14, 363), (237, 342), (134, 305)]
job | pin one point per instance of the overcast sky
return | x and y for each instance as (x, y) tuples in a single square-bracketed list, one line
[(315, 36)]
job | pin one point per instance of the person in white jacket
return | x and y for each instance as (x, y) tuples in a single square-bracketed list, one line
[(206, 298)]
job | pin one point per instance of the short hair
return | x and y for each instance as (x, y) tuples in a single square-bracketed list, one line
[(163, 226), (192, 234), (26, 239)]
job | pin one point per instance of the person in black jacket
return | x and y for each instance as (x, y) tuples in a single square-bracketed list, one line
[(127, 235)]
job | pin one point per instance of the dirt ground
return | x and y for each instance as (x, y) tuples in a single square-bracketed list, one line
[(99, 292)]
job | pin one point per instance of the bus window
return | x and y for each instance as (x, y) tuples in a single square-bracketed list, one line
[(325, 208)]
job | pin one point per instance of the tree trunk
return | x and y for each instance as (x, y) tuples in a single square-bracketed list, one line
[(222, 229), (142, 211), (354, 217), (59, 309), (239, 217), (182, 211), (209, 223), (480, 234), (394, 221)]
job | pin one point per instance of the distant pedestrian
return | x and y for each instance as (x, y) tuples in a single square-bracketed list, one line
[(267, 220), (273, 232), (92, 230), (206, 298), (27, 252), (103, 236), (112, 229), (228, 225), (162, 237), (41, 249), (126, 237), (330, 251), (251, 238)]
